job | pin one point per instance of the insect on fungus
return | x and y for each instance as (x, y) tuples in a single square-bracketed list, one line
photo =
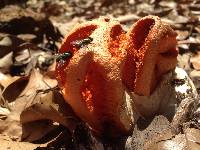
[(82, 43), (63, 56)]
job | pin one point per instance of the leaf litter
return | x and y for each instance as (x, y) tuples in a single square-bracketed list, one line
[(33, 110)]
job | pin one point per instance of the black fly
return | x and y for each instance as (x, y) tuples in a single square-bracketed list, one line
[(82, 43), (78, 44), (63, 56)]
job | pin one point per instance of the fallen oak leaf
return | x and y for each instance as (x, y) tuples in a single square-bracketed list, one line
[(37, 82), (11, 125), (48, 110), (49, 106), (183, 114), (28, 56), (4, 112), (7, 143), (149, 131), (195, 60), (187, 97), (36, 130), (178, 142), (4, 108), (188, 140), (192, 136), (7, 79), (14, 85), (8, 43), (6, 63)]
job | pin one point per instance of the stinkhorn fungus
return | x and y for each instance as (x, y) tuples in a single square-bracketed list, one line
[(100, 64)]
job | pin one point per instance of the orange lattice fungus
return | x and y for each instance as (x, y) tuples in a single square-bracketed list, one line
[(90, 78), (152, 51), (100, 63)]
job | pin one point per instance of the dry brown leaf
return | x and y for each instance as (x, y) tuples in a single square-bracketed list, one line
[(8, 144), (24, 98), (128, 18), (189, 140), (4, 109), (27, 37), (51, 71), (28, 56), (51, 106), (195, 60), (183, 114), (47, 104), (181, 19), (7, 79), (8, 43), (4, 112), (37, 83), (14, 85), (144, 134), (6, 62), (187, 97), (193, 138), (11, 127), (176, 143), (64, 28), (182, 35), (170, 4), (184, 61), (36, 130)]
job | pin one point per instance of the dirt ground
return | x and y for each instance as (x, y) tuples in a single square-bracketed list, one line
[(33, 114)]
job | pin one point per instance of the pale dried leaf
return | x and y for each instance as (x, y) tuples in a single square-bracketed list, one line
[(182, 35), (64, 28), (8, 144), (189, 140), (195, 60), (143, 134), (177, 143), (6, 62), (7, 79), (11, 127), (170, 4), (183, 113), (8, 43), (23, 98), (4, 112), (184, 61), (187, 96), (50, 106), (193, 138)]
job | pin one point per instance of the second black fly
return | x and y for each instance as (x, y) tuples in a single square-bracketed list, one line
[(82, 43), (77, 44)]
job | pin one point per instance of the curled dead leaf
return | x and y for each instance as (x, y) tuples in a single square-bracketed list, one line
[(178, 142), (14, 85), (193, 138), (188, 140), (149, 131), (195, 60), (6, 62), (51, 106), (23, 96), (47, 108), (7, 143)]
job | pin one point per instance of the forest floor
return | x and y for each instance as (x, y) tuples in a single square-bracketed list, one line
[(31, 33)]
